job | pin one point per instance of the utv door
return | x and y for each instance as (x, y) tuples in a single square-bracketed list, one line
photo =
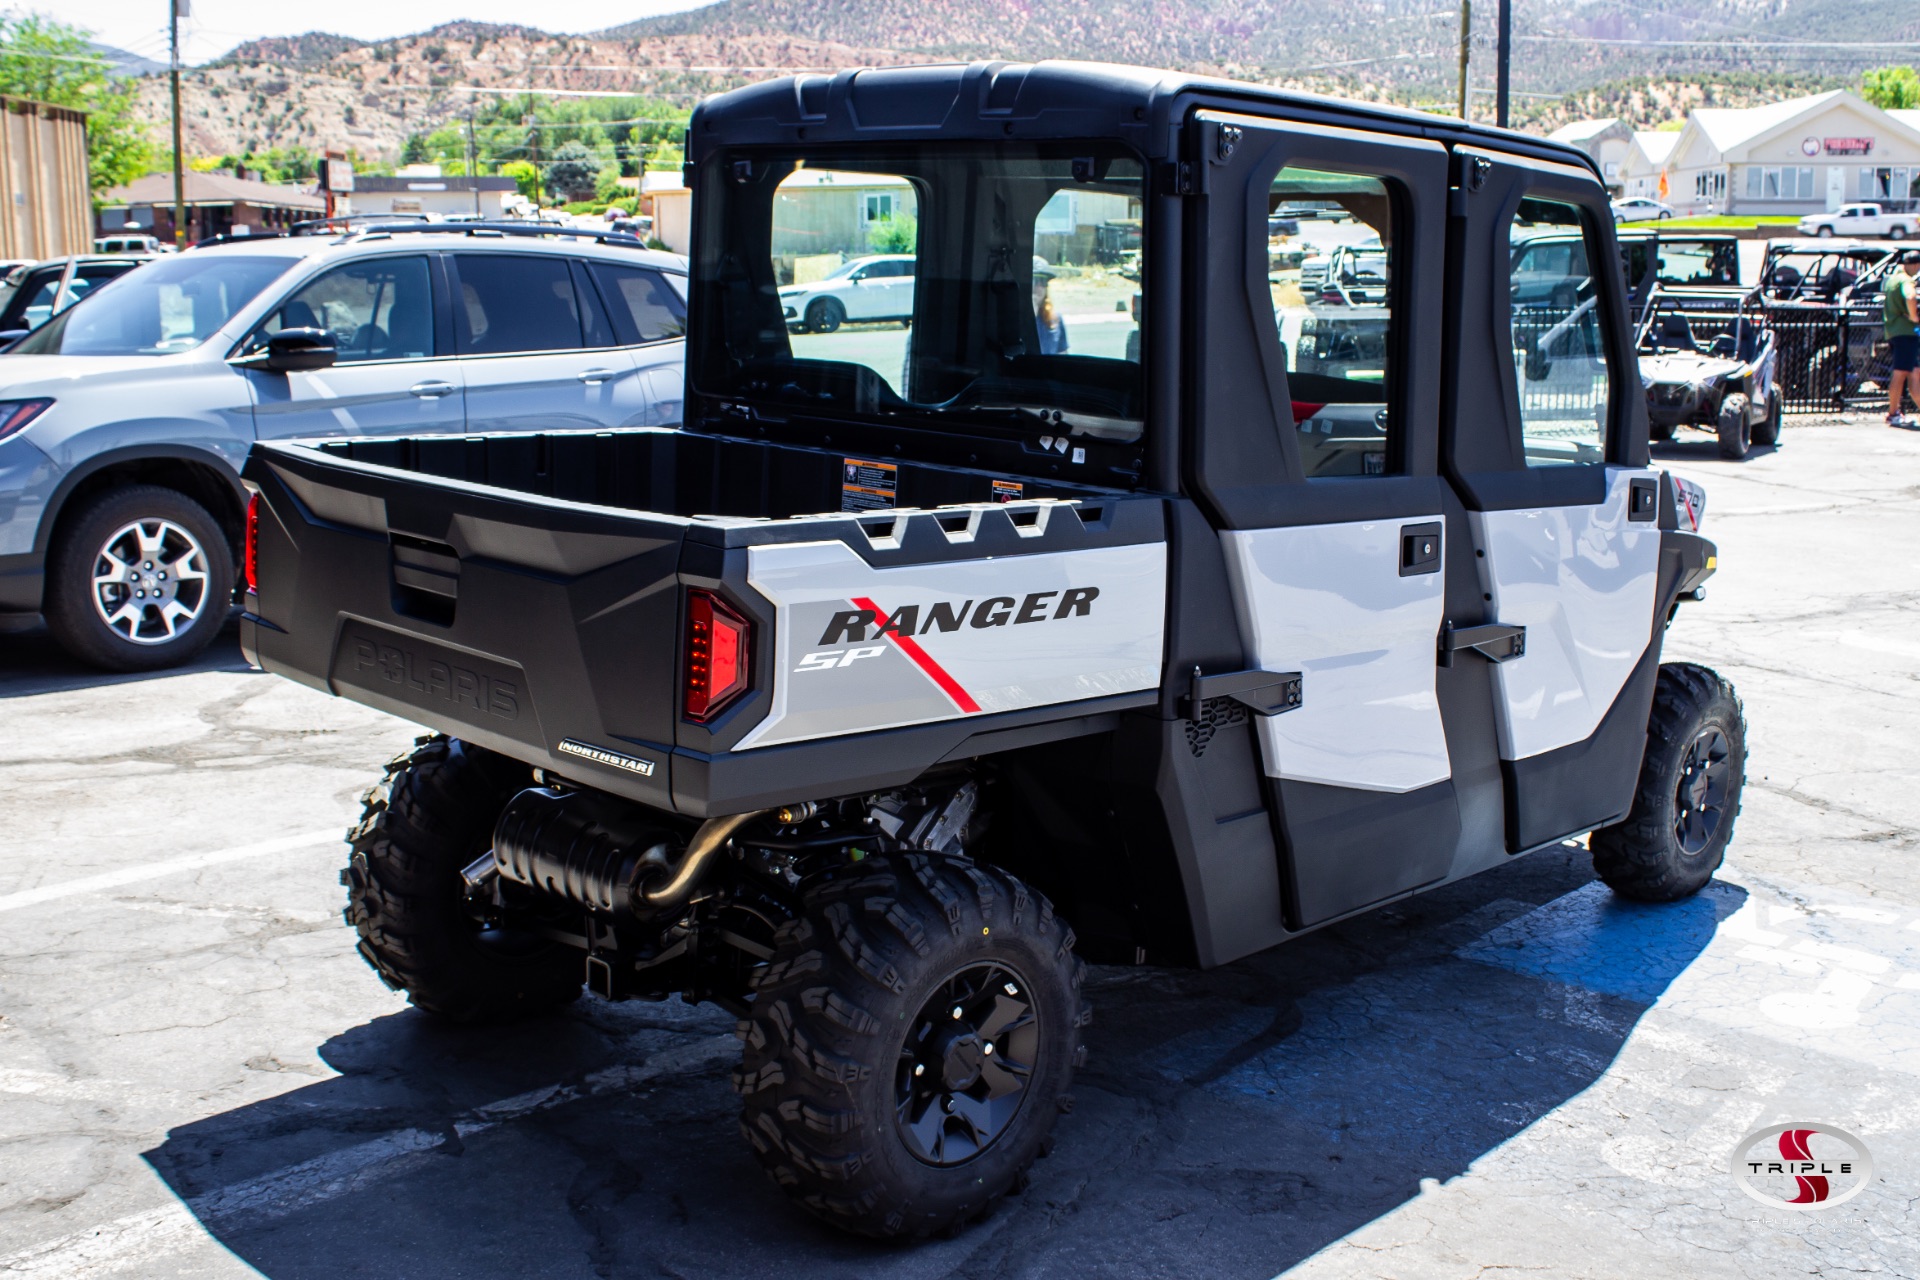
[(1316, 448), (1546, 444)]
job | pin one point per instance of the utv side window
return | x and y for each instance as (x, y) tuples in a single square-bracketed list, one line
[(1559, 348), (1330, 262)]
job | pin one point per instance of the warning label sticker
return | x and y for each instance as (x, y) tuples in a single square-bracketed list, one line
[(1008, 490), (868, 486)]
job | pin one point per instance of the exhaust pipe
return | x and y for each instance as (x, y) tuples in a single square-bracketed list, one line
[(708, 841)]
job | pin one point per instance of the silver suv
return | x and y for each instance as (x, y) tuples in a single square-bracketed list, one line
[(124, 420)]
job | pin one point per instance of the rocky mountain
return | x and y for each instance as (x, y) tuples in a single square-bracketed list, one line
[(1648, 61)]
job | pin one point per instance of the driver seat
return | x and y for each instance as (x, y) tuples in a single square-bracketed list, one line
[(1676, 332)]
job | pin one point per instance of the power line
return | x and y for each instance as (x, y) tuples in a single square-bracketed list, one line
[(1880, 45)]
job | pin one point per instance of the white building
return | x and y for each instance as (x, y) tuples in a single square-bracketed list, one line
[(421, 188), (1607, 141), (1794, 157), (1646, 160)]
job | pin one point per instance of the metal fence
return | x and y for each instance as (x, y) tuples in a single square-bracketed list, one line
[(1830, 357)]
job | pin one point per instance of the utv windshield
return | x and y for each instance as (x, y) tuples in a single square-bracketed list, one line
[(992, 290)]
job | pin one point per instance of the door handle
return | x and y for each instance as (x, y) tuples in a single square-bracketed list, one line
[(430, 390), (593, 377), (1419, 549), (1496, 642)]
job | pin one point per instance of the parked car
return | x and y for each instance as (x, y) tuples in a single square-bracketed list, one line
[(36, 292), (864, 289), (145, 245), (1640, 209), (1871, 220), (124, 421), (835, 705)]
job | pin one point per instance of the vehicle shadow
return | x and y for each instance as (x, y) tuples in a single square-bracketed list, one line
[(1230, 1123), (1700, 447), (30, 661)]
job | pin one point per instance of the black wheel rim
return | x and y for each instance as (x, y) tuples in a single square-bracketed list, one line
[(965, 1064), (1700, 798)]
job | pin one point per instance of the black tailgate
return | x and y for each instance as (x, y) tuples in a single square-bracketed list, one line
[(543, 628)]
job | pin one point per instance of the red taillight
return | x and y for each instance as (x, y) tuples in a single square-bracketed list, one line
[(719, 655), (252, 558)]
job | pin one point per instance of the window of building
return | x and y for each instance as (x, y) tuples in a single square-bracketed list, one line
[(1561, 367), (1334, 305), (1773, 182)]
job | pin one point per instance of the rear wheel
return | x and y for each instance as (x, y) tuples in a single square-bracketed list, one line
[(910, 1045), (824, 315), (1675, 837), (429, 817), (1768, 432), (140, 578), (1736, 433)]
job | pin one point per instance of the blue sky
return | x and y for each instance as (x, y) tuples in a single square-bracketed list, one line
[(140, 26)]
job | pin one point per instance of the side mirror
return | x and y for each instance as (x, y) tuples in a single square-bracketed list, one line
[(294, 351)]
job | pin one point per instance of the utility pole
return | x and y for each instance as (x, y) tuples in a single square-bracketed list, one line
[(473, 163), (1466, 39), (178, 9), (1503, 79)]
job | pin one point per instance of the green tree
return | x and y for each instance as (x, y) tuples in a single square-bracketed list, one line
[(415, 150), (898, 234), (573, 172), (524, 176), (50, 61), (1891, 88)]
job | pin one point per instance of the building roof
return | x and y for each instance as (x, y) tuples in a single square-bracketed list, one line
[(426, 182), (214, 188), (1656, 144), (1730, 127), (1584, 130)]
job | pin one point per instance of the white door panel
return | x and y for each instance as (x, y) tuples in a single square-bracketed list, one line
[(1581, 580), (1329, 602)]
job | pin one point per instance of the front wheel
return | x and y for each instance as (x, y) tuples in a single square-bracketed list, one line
[(1897, 233), (910, 1044), (1768, 432), (140, 578), (1675, 836), (1736, 433), (825, 315), (1826, 233)]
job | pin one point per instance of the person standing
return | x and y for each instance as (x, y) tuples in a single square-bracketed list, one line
[(1053, 325), (1901, 316)]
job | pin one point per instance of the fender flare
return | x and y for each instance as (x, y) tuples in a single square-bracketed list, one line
[(74, 479)]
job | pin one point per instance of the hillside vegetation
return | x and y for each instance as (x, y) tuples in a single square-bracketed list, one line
[(319, 90)]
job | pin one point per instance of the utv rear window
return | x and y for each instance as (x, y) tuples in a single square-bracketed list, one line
[(992, 290)]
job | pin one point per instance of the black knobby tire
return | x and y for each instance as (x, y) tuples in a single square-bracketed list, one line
[(431, 815), (81, 627), (1674, 838), (1768, 432), (825, 315), (1736, 434), (840, 1013)]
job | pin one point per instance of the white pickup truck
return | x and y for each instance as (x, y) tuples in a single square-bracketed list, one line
[(1869, 220)]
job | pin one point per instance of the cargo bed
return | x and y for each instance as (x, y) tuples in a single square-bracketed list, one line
[(529, 593)]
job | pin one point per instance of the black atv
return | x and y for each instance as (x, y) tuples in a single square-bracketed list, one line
[(1724, 385)]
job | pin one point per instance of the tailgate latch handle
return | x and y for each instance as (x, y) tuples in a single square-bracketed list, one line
[(1265, 693), (1495, 642)]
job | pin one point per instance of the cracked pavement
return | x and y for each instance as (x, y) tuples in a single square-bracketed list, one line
[(1514, 1075)]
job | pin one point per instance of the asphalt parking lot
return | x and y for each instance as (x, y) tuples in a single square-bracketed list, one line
[(199, 1077)]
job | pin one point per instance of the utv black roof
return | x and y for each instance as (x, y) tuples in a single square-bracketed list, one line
[(1045, 100)]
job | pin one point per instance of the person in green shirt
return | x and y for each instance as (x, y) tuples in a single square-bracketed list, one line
[(1902, 321)]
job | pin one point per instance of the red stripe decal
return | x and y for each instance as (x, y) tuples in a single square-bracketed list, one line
[(922, 659)]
